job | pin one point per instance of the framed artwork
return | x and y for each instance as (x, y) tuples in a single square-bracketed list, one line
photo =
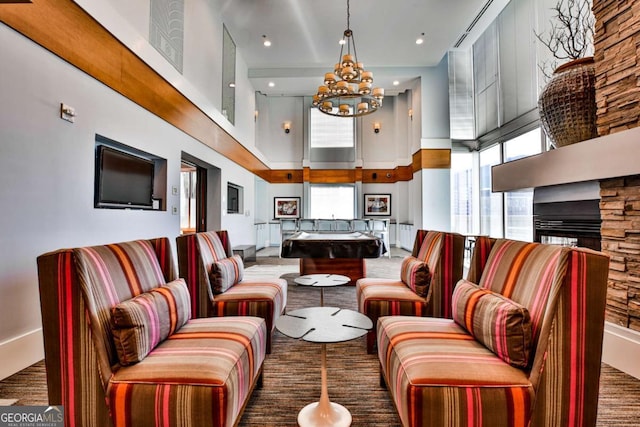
[(377, 204), (286, 207)]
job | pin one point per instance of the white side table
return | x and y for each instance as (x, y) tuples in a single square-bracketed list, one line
[(324, 325), (322, 281)]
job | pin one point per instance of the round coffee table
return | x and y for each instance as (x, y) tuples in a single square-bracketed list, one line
[(324, 325), (322, 281)]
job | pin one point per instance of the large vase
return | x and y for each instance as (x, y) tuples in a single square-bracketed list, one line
[(567, 105)]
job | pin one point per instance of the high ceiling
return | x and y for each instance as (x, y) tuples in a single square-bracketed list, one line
[(305, 35)]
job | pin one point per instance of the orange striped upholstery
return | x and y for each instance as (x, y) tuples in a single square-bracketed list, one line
[(141, 323), (481, 248), (438, 374), (79, 288), (197, 253), (443, 253), (207, 368)]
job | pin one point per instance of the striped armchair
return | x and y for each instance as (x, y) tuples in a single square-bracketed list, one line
[(121, 350), (443, 254), (199, 253), (523, 347)]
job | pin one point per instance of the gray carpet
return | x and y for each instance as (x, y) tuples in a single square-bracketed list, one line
[(292, 371)]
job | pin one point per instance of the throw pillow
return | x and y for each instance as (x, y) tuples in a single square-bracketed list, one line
[(141, 323), (498, 322), (225, 273), (416, 275)]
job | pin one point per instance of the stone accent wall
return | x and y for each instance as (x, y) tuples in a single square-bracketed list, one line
[(620, 210), (617, 57)]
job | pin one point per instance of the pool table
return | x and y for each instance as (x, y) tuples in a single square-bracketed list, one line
[(333, 252)]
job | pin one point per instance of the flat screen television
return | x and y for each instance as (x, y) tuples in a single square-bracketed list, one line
[(123, 180)]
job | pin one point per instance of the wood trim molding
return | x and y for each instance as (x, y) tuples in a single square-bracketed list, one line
[(285, 176), (332, 176), (431, 158), (340, 176), (63, 28)]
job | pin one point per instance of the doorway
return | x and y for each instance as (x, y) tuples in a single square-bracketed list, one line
[(193, 198)]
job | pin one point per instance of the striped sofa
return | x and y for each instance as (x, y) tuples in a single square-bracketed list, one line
[(523, 347), (121, 349), (443, 253), (199, 253)]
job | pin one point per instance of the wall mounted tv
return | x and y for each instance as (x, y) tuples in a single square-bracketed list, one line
[(123, 180)]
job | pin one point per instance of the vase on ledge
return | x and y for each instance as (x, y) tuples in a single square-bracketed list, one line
[(567, 104)]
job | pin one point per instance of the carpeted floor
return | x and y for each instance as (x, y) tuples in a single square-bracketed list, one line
[(292, 371)]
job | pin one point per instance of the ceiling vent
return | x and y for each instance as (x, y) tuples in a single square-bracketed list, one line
[(473, 23)]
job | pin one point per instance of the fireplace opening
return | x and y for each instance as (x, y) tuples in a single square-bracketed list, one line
[(568, 215)]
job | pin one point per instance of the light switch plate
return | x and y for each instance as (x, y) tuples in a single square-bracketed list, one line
[(67, 113)]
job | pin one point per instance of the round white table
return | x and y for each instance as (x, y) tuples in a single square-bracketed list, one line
[(322, 281), (324, 325)]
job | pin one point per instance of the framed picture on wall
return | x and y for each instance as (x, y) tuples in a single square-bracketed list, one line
[(286, 207), (377, 204)]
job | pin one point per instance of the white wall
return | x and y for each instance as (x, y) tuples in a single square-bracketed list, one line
[(283, 190), (380, 150), (433, 185), (283, 150), (47, 167)]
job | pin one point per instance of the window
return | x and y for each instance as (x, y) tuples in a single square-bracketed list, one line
[(332, 201), (234, 199), (228, 76), (464, 193), (478, 210), (519, 204), (491, 222), (330, 131)]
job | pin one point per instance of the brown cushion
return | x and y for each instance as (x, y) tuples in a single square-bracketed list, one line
[(499, 323), (141, 323), (225, 273), (416, 275)]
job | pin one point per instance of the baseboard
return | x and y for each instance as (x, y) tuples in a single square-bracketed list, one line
[(621, 349), (21, 352)]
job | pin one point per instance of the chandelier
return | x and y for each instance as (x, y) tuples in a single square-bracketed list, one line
[(347, 91)]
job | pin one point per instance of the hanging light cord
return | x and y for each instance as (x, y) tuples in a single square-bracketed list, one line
[(348, 16), (349, 35)]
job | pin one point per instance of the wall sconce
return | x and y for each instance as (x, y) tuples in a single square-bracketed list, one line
[(287, 127), (411, 114), (376, 127), (255, 115)]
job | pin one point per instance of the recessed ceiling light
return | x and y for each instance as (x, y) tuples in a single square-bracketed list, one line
[(420, 39), (396, 83), (232, 84), (271, 84), (266, 41), (342, 41)]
